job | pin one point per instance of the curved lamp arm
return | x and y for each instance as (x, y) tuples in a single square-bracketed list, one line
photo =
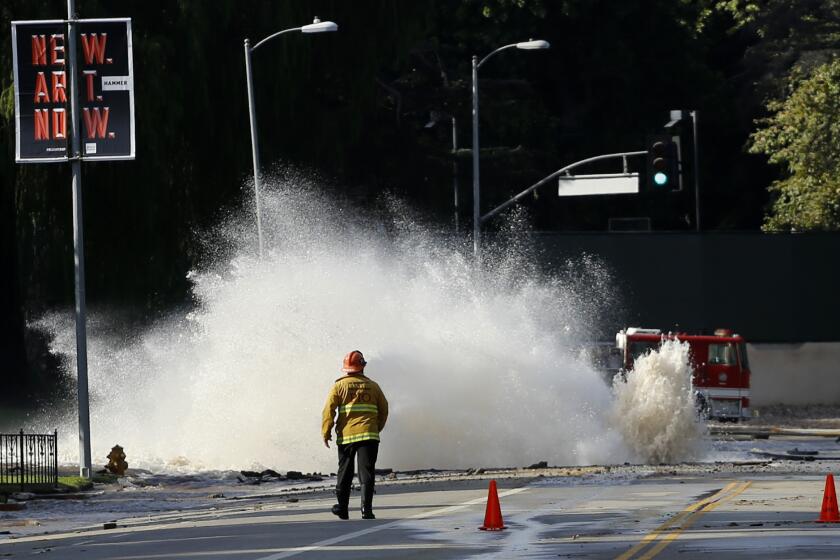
[(272, 36), (317, 26), (529, 45), (500, 49)]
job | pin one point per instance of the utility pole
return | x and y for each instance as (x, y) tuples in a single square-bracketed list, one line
[(109, 120), (455, 170), (78, 250), (475, 148), (696, 144), (255, 148)]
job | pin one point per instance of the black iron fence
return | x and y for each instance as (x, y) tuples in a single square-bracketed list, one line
[(28, 461)]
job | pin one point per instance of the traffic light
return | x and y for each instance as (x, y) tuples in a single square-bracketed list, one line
[(663, 164)]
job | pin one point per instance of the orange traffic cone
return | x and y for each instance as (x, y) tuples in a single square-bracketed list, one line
[(493, 513), (828, 513)]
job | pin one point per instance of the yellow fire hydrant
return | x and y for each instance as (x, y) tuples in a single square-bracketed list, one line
[(116, 461)]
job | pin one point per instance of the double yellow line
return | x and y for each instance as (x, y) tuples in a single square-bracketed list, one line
[(671, 529)]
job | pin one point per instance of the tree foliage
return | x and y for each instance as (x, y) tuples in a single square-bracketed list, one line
[(803, 136), (786, 34)]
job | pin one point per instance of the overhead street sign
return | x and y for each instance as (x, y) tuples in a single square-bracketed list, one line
[(105, 75), (591, 185)]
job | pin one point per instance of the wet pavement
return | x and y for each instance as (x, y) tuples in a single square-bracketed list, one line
[(744, 509), (682, 517)]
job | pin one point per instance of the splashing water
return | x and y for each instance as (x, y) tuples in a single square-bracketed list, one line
[(654, 407), (480, 367)]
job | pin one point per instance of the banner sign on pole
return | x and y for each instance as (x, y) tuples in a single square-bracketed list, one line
[(106, 90), (42, 113)]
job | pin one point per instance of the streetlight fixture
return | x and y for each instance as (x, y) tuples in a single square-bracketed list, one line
[(317, 26), (476, 64)]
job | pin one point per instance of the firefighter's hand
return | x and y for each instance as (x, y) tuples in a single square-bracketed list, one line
[(327, 443)]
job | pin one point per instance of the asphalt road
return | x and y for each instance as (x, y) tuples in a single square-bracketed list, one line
[(714, 515)]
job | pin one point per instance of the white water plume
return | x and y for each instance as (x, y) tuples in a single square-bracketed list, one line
[(480, 367), (654, 407)]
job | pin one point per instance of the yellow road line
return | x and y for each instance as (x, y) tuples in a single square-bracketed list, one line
[(670, 537), (674, 520)]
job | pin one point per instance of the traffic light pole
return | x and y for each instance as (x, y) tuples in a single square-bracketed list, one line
[(696, 169)]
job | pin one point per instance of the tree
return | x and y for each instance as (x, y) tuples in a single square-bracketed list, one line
[(788, 34), (803, 135)]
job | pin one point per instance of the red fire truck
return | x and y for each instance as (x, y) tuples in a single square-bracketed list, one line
[(721, 372)]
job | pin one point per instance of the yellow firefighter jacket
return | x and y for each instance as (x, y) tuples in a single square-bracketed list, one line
[(362, 410)]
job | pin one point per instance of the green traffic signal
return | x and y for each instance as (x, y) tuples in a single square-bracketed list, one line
[(660, 179), (662, 164)]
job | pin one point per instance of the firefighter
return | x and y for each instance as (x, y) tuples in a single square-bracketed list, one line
[(362, 412)]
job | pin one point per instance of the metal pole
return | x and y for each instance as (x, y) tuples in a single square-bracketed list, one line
[(455, 171), (475, 148), (79, 251), (696, 170), (55, 457), (21, 467), (254, 143)]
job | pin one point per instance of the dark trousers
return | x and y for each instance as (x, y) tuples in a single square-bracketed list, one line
[(367, 451)]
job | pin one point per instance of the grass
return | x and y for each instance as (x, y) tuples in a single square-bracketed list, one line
[(78, 483), (74, 483), (65, 483)]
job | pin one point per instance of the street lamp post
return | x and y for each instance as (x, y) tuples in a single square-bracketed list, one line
[(317, 26), (476, 64), (455, 170), (436, 117)]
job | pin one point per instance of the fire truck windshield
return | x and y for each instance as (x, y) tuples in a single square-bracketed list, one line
[(742, 350), (723, 354), (640, 348)]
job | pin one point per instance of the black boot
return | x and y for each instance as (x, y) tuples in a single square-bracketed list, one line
[(340, 509), (367, 501)]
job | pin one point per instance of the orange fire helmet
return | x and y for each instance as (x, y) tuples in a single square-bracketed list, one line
[(354, 362)]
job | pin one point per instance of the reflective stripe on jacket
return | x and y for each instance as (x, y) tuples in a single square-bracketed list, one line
[(361, 406)]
